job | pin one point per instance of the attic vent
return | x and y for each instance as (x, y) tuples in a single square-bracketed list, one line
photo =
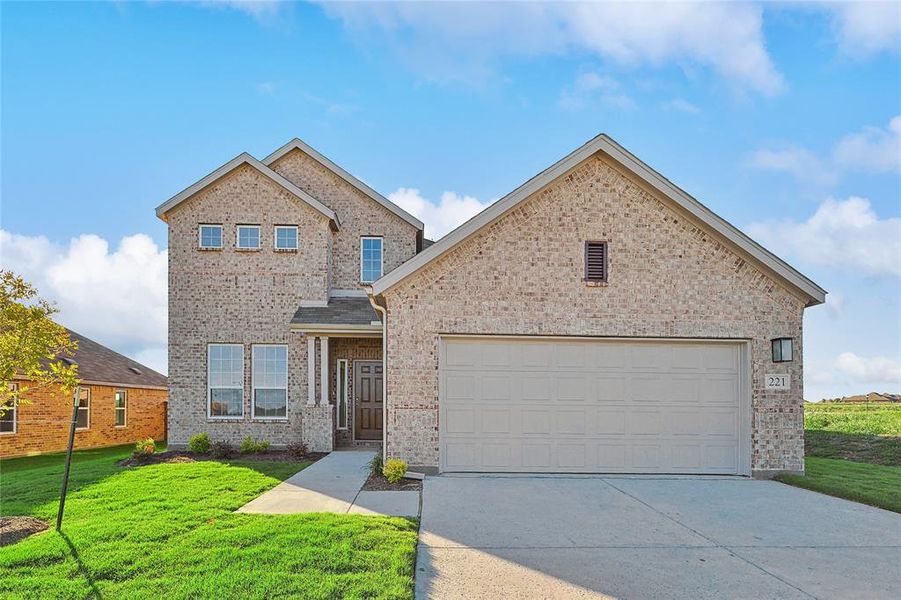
[(596, 262), (135, 370)]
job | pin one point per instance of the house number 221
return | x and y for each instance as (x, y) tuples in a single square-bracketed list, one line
[(777, 382)]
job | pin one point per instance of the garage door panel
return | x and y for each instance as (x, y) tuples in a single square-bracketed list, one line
[(590, 406)]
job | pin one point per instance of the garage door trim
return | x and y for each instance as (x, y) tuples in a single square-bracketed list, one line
[(744, 379)]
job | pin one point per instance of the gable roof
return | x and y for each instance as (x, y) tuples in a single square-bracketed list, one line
[(605, 144), (98, 364), (245, 159), (299, 144)]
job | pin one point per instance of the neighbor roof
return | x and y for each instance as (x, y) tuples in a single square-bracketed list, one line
[(605, 144), (339, 311), (98, 364), (245, 159), (299, 144)]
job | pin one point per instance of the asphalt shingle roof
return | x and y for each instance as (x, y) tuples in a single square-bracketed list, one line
[(340, 311), (98, 363)]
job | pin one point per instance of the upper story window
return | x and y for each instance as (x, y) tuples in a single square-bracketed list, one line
[(596, 262), (248, 237), (286, 237), (225, 380), (83, 417), (121, 408), (370, 259), (210, 237), (8, 414), (270, 381)]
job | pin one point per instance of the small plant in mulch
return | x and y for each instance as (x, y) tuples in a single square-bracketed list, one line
[(145, 447), (13, 529), (251, 446), (394, 470), (375, 465), (379, 480), (199, 443)]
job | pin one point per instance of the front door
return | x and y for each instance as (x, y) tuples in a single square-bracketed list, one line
[(368, 400)]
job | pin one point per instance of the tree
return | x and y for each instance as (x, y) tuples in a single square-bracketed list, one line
[(32, 347)]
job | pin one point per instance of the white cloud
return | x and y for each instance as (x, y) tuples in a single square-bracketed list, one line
[(591, 88), (872, 150), (465, 41), (266, 88), (844, 235), (835, 305), (680, 105), (116, 297), (801, 164), (439, 217), (873, 371), (864, 29), (262, 11)]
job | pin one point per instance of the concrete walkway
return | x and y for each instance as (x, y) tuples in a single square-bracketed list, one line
[(333, 485)]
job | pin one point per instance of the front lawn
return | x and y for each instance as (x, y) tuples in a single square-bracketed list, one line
[(876, 485), (169, 531)]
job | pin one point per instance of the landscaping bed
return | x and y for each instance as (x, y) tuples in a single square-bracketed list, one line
[(185, 456), (13, 529), (380, 483)]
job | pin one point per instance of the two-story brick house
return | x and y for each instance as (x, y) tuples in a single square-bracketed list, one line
[(595, 319), (271, 333)]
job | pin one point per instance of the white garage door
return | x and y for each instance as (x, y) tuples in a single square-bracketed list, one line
[(591, 406)]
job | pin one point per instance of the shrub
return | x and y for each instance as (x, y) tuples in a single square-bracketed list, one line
[(222, 450), (252, 446), (394, 470), (147, 446), (376, 464), (199, 443), (297, 449)]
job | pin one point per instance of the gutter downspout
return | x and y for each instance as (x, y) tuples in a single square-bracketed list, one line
[(383, 312)]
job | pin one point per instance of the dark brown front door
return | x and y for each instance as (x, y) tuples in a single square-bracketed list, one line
[(368, 400)]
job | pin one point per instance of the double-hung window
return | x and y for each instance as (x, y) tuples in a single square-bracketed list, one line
[(121, 408), (225, 380), (83, 416), (270, 381), (370, 259), (8, 414), (248, 237), (210, 237), (286, 237)]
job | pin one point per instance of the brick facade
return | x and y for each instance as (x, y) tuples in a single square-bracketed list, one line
[(249, 297), (43, 424), (523, 275)]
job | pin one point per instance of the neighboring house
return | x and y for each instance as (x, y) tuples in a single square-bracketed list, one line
[(596, 319), (120, 402)]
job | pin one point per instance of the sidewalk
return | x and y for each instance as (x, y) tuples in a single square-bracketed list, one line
[(333, 485)]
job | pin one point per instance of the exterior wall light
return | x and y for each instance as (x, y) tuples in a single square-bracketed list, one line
[(782, 350)]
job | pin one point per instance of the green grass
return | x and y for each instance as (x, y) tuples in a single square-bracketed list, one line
[(854, 418), (875, 485), (169, 531)]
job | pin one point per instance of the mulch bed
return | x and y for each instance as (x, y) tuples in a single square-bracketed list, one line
[(183, 456), (13, 529), (379, 483)]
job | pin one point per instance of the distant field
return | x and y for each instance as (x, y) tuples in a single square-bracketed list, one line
[(856, 418)]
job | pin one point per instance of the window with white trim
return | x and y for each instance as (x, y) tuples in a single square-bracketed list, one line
[(248, 237), (8, 414), (83, 416), (342, 389), (121, 408), (370, 259), (286, 237), (210, 236), (270, 381), (225, 380)]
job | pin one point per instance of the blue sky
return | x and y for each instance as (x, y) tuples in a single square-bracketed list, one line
[(779, 117)]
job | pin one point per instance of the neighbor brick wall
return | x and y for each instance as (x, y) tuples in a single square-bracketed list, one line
[(359, 214), (523, 275), (42, 425)]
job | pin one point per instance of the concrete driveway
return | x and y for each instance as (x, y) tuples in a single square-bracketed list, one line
[(621, 537)]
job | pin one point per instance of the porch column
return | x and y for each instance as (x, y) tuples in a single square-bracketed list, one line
[(323, 371), (311, 370)]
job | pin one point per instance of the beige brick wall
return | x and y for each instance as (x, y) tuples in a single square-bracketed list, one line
[(359, 216), (523, 275), (239, 297)]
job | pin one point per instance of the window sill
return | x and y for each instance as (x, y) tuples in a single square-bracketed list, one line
[(120, 426), (247, 249), (224, 419), (2, 433), (282, 420), (590, 283), (286, 250), (210, 249)]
